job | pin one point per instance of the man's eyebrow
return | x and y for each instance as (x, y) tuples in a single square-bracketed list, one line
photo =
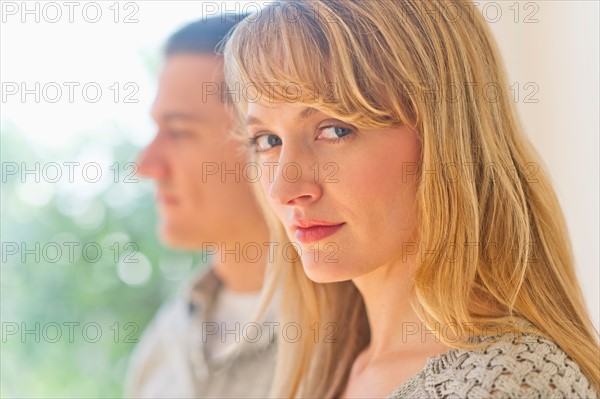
[(308, 111), (178, 116)]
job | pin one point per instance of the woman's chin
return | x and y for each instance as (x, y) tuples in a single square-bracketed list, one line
[(324, 272)]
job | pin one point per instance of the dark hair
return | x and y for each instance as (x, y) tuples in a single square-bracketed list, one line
[(202, 36)]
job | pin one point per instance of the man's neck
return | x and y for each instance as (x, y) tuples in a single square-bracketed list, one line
[(240, 262), (240, 276)]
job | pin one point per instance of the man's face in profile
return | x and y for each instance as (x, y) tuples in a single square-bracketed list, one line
[(188, 158)]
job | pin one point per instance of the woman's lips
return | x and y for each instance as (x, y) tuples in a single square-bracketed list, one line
[(316, 233)]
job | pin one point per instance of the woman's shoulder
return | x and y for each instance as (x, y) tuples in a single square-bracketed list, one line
[(510, 366)]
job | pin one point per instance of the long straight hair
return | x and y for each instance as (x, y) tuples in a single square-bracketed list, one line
[(434, 66)]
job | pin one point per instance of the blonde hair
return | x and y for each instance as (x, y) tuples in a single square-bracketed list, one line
[(415, 63)]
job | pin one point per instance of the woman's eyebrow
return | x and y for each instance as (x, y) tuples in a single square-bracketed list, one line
[(308, 111), (252, 120), (305, 113)]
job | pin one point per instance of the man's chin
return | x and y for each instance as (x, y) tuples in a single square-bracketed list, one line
[(177, 239)]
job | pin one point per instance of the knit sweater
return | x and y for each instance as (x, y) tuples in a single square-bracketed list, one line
[(535, 367)]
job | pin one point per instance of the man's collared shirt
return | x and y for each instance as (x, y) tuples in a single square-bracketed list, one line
[(171, 360)]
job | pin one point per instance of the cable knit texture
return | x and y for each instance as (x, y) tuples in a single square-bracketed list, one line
[(532, 367)]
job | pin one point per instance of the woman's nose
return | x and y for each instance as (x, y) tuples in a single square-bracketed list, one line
[(293, 182)]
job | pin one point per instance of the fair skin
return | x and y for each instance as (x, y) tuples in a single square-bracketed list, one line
[(200, 207), (370, 201)]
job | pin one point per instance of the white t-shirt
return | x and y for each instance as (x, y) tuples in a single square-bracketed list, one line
[(232, 314)]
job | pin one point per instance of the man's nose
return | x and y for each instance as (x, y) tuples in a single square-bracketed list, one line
[(152, 161)]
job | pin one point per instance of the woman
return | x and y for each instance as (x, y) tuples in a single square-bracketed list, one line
[(433, 263)]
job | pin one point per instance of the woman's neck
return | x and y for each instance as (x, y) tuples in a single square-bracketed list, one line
[(395, 327)]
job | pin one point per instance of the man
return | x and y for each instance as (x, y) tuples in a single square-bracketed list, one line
[(193, 347)]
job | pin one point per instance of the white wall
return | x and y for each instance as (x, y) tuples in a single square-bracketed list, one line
[(559, 53)]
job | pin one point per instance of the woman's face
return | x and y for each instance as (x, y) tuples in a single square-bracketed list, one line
[(346, 196)]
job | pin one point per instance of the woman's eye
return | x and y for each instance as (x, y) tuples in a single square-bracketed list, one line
[(265, 142), (334, 132)]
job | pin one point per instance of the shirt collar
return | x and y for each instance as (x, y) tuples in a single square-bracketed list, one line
[(202, 291)]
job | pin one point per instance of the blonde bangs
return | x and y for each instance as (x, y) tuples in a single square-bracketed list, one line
[(266, 62)]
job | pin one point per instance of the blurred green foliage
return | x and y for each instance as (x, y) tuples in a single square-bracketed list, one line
[(82, 316)]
